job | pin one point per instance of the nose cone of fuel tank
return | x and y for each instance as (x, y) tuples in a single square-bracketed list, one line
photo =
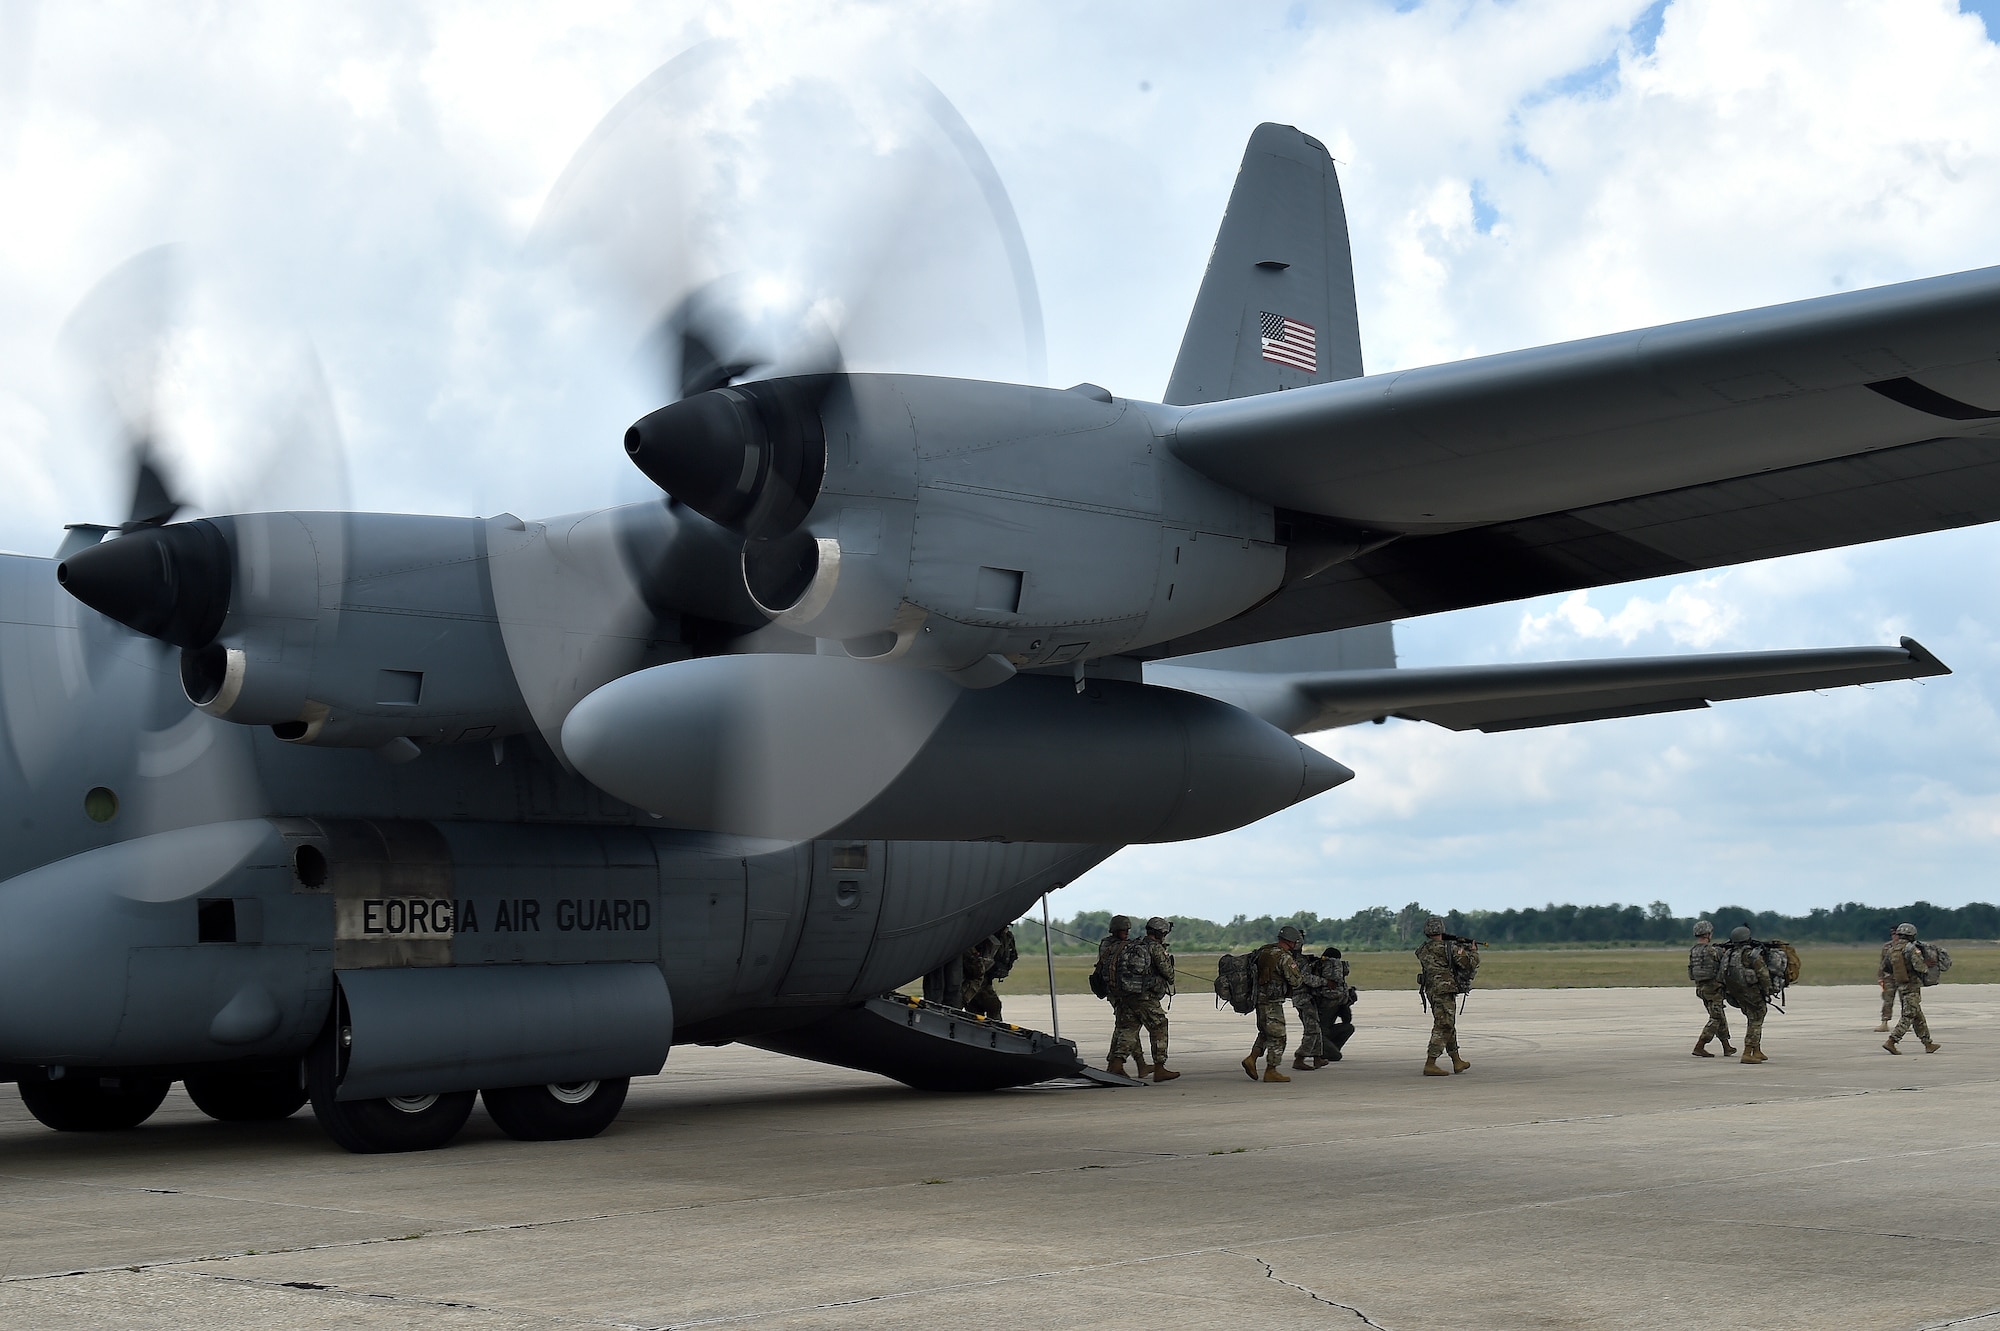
[(804, 746)]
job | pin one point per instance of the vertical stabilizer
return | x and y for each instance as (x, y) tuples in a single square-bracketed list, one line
[(1276, 309)]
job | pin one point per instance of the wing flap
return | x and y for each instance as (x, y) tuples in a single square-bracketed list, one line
[(1516, 697)]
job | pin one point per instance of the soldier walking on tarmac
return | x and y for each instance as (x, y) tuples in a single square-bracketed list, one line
[(1336, 1004), (1907, 965), (1705, 969), (1320, 1011), (1440, 959), (1278, 977), (1747, 981), (1104, 983), (1145, 975)]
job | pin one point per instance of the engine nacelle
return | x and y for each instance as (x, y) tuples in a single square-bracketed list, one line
[(954, 524)]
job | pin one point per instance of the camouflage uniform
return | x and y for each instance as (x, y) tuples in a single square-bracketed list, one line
[(985, 966), (1906, 968), (1124, 1028), (1278, 978), (1705, 958), (1754, 1004), (1130, 1012), (1325, 1018), (1440, 987)]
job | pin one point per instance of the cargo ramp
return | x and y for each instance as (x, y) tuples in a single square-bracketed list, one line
[(936, 1048)]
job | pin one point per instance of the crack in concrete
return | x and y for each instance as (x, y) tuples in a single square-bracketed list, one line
[(1967, 1320), (1272, 1272)]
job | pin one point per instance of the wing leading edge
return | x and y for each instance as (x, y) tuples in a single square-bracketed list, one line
[(1520, 697)]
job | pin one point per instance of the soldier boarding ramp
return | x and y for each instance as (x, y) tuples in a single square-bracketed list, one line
[(935, 1048)]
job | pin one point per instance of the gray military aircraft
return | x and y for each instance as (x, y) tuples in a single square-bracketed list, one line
[(389, 811)]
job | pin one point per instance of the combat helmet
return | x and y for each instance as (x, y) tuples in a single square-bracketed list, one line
[(1740, 934), (1160, 925), (1291, 933), (1906, 931), (1703, 929), (1121, 924), (1433, 925)]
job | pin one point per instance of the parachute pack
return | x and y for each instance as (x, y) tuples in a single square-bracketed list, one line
[(1236, 982)]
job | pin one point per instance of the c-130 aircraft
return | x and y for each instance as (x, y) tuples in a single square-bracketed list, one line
[(513, 806)]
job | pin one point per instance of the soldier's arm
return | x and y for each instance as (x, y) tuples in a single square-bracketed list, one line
[(1163, 962)]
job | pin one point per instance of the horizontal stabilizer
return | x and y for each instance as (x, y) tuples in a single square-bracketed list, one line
[(1520, 697)]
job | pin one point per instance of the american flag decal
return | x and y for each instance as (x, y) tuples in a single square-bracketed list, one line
[(1289, 342)]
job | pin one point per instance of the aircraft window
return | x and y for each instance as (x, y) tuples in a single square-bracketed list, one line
[(215, 920), (847, 894), (309, 863), (100, 805), (851, 857)]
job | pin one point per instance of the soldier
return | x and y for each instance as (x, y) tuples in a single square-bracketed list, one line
[(1278, 978), (1747, 980), (1325, 1018), (1438, 980), (1144, 975), (1906, 968), (986, 964), (1705, 969), (1888, 984), (1104, 983)]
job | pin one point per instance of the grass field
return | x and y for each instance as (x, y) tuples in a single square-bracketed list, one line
[(1567, 968)]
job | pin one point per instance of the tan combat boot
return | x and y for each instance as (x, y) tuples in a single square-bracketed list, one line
[(1116, 1065), (1431, 1068), (1161, 1072), (1458, 1064), (1145, 1068), (1299, 1063), (1321, 1062), (1272, 1074), (1250, 1067), (1701, 1048), (1881, 1026), (1931, 1047), (1890, 1045), (1728, 1049)]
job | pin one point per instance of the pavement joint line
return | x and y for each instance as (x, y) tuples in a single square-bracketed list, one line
[(1272, 1272), (342, 1294), (1967, 1320)]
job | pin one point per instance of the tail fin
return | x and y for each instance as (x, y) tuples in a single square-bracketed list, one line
[(1276, 309)]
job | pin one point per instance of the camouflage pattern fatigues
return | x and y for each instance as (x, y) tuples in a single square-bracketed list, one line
[(1278, 978), (1906, 967), (1131, 1012), (1706, 958), (1887, 982), (1754, 1004), (1440, 987), (985, 965), (1124, 1033), (1325, 1017)]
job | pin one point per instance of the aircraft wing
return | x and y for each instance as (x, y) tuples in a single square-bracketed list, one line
[(1844, 419), (1520, 697)]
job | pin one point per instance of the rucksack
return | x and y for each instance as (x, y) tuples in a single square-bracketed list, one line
[(1135, 969), (1008, 953), (1780, 959), (1100, 981), (1936, 962), (1464, 961), (1704, 963), (1236, 982)]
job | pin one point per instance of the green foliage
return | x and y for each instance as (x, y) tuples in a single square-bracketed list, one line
[(1378, 928)]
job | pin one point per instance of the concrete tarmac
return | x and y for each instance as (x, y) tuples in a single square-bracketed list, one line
[(1585, 1173)]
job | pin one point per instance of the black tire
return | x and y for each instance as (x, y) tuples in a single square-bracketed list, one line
[(253, 1093), (82, 1102), (558, 1112), (380, 1127)]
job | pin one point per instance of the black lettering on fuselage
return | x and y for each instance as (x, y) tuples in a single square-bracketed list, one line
[(396, 915), (468, 916), (502, 921), (371, 917), (528, 915)]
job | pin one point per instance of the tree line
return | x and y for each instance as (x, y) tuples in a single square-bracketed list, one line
[(1379, 928)]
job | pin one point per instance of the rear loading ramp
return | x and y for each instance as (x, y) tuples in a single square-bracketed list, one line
[(934, 1048)]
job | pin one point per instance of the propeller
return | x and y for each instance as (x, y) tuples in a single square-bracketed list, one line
[(208, 404), (762, 231)]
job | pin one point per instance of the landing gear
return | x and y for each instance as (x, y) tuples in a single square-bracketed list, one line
[(560, 1111), (378, 1127), (249, 1093), (86, 1103)]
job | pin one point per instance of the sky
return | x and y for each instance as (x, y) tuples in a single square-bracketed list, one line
[(1515, 174)]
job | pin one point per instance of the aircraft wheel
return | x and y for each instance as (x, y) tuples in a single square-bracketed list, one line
[(560, 1111), (378, 1127), (85, 1103), (260, 1093)]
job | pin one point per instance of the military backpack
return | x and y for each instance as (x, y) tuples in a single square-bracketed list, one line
[(1103, 974), (1927, 966), (1704, 963), (1134, 976), (1236, 982)]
